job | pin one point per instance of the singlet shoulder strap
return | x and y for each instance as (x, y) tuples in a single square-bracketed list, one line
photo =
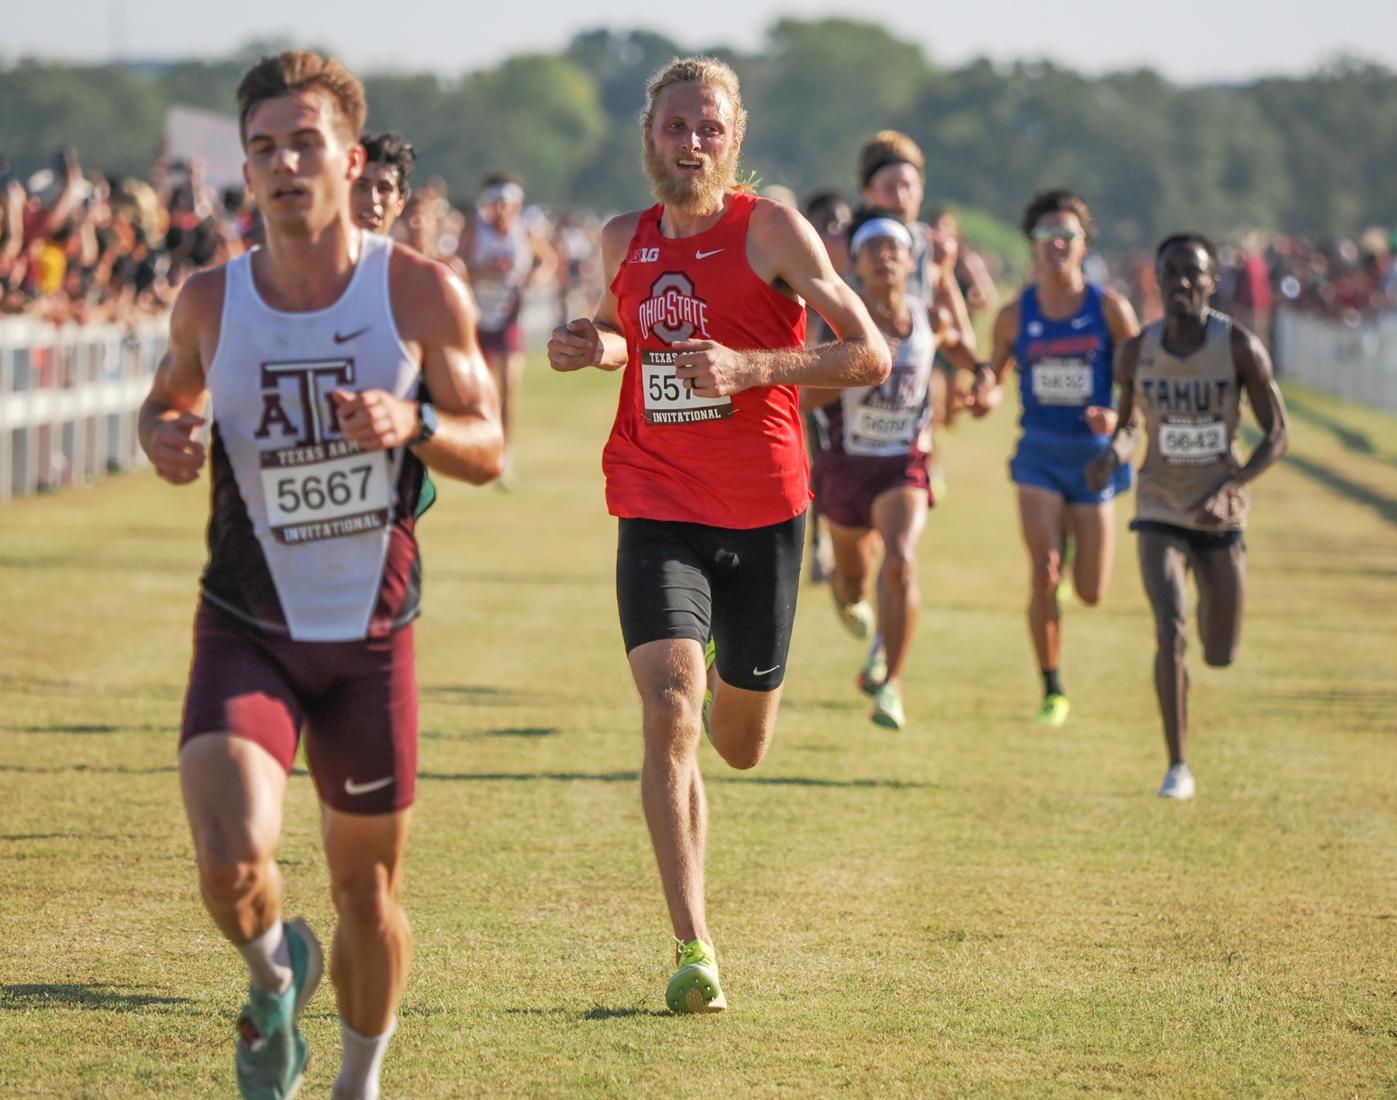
[(1152, 338), (1028, 304), (1219, 328)]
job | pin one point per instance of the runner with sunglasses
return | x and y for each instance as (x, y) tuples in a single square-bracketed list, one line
[(1062, 332)]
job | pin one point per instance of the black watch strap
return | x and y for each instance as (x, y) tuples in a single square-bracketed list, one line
[(428, 423)]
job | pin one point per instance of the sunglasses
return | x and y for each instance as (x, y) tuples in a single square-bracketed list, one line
[(1057, 233)]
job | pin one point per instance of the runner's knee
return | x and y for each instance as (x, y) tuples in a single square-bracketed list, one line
[(670, 713), (365, 897), (899, 570), (1047, 570), (746, 750), (1089, 590), (1171, 630), (1219, 654), (743, 756), (231, 873)]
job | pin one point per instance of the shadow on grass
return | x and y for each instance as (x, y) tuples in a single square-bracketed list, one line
[(16, 837), (1356, 491), (1352, 439), (598, 1012), (507, 731), (1334, 481), (566, 580), (142, 693), (102, 996), (92, 729), (634, 777), (122, 769), (484, 695), (601, 1012)]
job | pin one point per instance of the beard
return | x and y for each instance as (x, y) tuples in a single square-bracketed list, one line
[(700, 194)]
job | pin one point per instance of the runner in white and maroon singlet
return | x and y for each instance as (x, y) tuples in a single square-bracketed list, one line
[(872, 483), (339, 366)]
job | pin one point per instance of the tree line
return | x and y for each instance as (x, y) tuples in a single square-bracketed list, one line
[(1310, 154)]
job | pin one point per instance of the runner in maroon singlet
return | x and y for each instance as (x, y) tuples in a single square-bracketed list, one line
[(337, 365), (706, 464)]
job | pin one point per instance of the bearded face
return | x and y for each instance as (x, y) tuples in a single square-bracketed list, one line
[(691, 153)]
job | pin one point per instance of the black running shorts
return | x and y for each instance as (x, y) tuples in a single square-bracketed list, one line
[(689, 580)]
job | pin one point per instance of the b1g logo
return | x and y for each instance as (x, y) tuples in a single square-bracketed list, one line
[(645, 256), (672, 312)]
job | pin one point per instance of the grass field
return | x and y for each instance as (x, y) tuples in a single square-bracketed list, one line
[(975, 906)]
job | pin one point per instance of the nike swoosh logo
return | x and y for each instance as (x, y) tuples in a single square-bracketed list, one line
[(701, 255), (351, 787), (1080, 322), (764, 671), (357, 332)]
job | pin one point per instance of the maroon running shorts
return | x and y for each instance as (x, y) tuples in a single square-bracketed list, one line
[(356, 700), (846, 486), (507, 341)]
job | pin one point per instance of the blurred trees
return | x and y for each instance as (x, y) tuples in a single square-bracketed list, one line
[(1310, 153)]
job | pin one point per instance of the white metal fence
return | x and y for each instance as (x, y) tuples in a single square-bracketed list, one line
[(69, 396), (1355, 362)]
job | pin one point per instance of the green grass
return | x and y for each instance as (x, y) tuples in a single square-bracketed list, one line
[(975, 906)]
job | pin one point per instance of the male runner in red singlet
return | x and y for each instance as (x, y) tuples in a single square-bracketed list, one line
[(338, 364), (706, 465)]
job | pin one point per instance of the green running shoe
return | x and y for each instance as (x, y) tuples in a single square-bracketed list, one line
[(1053, 711), (875, 669), (272, 1053), (710, 656), (858, 618), (694, 987), (887, 708)]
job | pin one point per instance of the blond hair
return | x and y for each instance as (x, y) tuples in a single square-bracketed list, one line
[(708, 71), (889, 147), (294, 72)]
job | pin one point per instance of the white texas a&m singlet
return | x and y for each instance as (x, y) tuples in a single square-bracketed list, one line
[(308, 535)]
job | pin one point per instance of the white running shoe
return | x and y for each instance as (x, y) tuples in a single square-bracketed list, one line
[(1178, 782)]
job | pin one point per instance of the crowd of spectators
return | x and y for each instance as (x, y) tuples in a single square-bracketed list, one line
[(79, 246), (1343, 280)]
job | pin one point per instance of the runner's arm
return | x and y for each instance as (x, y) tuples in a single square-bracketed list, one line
[(1126, 436), (598, 341), (1254, 369), (1122, 325), (169, 416), (989, 377), (960, 351), (785, 250), (436, 313), (469, 441)]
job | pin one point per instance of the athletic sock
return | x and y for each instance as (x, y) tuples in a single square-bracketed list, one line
[(1051, 684), (362, 1062), (268, 959)]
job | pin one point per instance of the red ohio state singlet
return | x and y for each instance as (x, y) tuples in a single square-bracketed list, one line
[(736, 462)]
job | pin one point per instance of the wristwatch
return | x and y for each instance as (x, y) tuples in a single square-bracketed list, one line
[(428, 424)]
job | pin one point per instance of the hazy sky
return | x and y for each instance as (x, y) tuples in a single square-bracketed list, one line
[(1188, 40)]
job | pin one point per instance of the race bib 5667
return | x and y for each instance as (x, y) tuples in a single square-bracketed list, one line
[(324, 491)]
